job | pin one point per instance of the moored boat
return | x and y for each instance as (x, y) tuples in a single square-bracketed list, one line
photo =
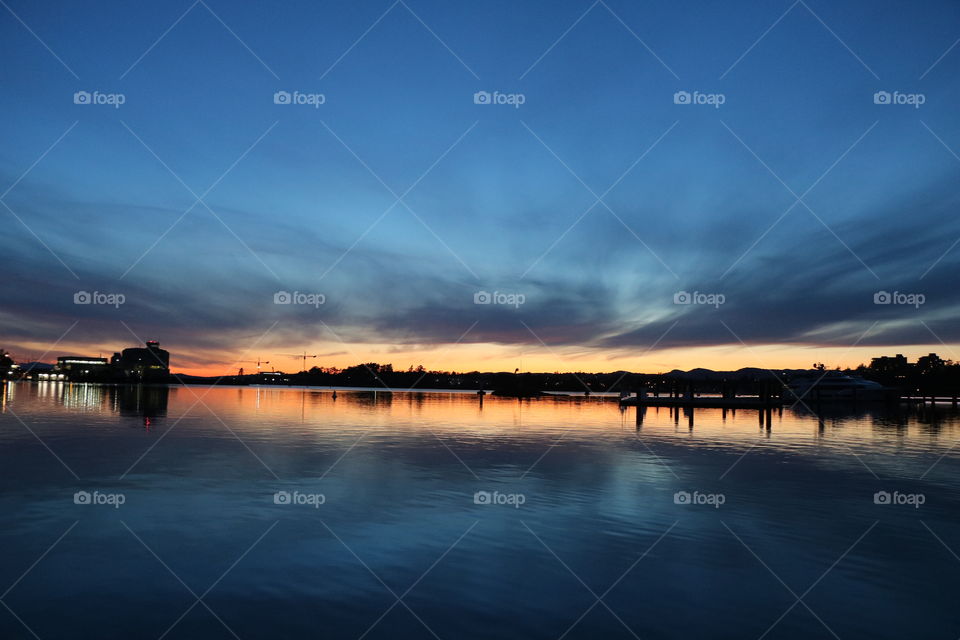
[(834, 387)]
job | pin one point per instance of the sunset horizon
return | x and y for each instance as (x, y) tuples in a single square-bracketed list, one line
[(227, 195), (533, 358)]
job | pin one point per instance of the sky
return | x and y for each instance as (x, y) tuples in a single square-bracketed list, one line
[(550, 185)]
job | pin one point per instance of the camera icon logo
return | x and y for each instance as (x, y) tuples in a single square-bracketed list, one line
[(81, 497), (482, 497), (682, 297), (482, 297), (681, 497), (281, 97), (881, 497), (282, 297), (882, 297), (82, 297), (681, 97), (281, 497), (881, 97), (81, 97), (481, 97)]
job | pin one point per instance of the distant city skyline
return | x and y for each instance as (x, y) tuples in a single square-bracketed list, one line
[(557, 186)]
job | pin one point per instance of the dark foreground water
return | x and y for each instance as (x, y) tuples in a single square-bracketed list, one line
[(283, 513)]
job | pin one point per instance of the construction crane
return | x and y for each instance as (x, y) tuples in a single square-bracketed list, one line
[(258, 362), (301, 356)]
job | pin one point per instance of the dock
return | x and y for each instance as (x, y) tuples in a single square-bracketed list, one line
[(708, 402), (764, 396), (930, 399)]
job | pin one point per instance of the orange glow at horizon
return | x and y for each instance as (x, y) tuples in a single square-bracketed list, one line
[(535, 358)]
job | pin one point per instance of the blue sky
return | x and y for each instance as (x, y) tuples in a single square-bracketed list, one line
[(305, 199)]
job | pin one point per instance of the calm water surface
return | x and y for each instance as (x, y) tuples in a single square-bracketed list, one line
[(288, 513)]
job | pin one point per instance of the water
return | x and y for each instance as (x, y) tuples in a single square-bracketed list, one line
[(399, 548)]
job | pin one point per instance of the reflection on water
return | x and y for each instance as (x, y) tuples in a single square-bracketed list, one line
[(503, 518), (144, 401)]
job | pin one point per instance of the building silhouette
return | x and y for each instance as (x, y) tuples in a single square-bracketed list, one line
[(148, 363), (81, 368), (143, 363), (889, 364)]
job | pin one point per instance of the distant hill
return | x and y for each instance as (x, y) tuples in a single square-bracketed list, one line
[(747, 373)]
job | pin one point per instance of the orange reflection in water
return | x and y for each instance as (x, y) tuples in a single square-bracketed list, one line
[(294, 412), (572, 417)]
